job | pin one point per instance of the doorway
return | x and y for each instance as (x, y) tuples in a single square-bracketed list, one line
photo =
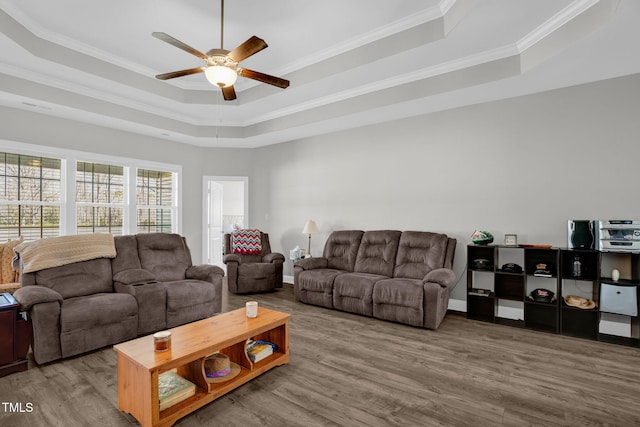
[(226, 207)]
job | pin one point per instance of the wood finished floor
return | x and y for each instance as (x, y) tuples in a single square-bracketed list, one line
[(349, 370)]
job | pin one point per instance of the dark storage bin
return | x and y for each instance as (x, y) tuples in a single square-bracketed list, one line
[(509, 286), (541, 316), (580, 323), (481, 308)]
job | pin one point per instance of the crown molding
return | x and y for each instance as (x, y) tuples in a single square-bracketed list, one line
[(426, 15), (426, 73), (556, 22), (12, 9), (130, 111), (422, 17), (77, 89)]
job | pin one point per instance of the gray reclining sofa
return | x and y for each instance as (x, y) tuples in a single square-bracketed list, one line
[(403, 277), (150, 285)]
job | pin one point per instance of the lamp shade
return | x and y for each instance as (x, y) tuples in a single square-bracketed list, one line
[(221, 75), (310, 227)]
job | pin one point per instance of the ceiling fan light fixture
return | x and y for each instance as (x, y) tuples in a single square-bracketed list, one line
[(221, 75), (222, 65)]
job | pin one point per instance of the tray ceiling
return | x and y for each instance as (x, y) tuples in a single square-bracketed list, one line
[(350, 63)]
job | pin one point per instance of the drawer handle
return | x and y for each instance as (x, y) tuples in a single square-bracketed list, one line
[(618, 292)]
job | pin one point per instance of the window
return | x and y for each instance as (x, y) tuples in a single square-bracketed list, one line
[(47, 192), (155, 201), (100, 198), (30, 199)]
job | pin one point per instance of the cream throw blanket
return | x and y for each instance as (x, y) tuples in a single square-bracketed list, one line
[(57, 251)]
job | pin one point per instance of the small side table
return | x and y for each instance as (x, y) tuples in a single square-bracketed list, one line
[(15, 336)]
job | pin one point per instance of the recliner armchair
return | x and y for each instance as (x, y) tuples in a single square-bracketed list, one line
[(253, 273)]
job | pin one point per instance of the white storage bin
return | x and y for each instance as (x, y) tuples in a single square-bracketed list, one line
[(619, 299)]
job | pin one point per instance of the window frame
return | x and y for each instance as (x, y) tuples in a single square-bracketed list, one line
[(69, 159), (174, 195), (41, 203), (110, 205)]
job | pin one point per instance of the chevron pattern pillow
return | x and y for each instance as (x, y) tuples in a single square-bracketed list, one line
[(246, 242)]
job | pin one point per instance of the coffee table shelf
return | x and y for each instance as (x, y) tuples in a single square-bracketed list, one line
[(139, 365)]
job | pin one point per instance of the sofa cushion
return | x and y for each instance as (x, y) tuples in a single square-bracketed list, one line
[(442, 276), (100, 309), (135, 276), (341, 249), (377, 252), (95, 321), (164, 254), (189, 300), (9, 287), (126, 254), (316, 286), (77, 279), (28, 296), (206, 272), (256, 277), (7, 273), (186, 293), (399, 300), (353, 292), (256, 270), (420, 252)]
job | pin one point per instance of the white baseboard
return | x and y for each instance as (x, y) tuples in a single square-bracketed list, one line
[(287, 279), (513, 310), (457, 305)]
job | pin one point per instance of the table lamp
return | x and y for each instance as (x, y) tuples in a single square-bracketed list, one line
[(310, 228)]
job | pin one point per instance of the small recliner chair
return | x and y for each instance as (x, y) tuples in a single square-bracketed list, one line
[(253, 273)]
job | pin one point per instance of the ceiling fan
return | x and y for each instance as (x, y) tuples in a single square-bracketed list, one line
[(222, 65)]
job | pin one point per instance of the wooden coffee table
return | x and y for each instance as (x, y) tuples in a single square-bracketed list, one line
[(139, 365)]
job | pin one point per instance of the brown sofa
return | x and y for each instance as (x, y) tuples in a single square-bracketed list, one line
[(253, 273), (403, 277), (150, 285)]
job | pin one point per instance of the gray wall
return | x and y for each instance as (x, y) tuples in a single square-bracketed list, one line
[(32, 128), (523, 165)]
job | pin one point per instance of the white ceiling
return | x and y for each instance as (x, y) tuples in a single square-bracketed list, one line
[(350, 63)]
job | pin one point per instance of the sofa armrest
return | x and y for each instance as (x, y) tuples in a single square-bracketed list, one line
[(204, 272), (134, 276), (442, 276), (231, 258), (311, 263), (273, 257), (28, 296)]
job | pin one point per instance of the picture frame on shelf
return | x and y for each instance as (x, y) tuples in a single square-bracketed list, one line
[(511, 240)]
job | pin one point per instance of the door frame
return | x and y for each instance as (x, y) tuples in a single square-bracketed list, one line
[(205, 207)]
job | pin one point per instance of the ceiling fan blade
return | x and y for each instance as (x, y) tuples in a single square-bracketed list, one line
[(174, 74), (264, 78), (229, 93), (177, 43), (248, 48)]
